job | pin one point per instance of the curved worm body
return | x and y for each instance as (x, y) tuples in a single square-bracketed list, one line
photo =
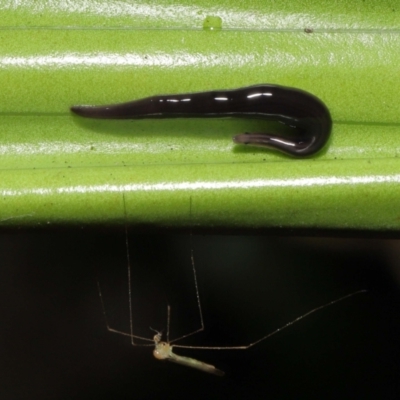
[(303, 112)]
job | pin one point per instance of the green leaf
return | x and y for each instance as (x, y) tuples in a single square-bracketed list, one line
[(57, 168)]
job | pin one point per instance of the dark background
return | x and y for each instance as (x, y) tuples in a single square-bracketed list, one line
[(54, 343)]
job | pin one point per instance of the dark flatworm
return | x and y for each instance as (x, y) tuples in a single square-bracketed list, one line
[(305, 114)]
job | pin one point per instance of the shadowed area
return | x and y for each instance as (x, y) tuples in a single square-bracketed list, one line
[(55, 344)]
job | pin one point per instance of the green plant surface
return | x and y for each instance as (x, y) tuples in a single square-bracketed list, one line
[(59, 168), (189, 14)]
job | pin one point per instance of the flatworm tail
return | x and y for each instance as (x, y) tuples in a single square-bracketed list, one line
[(303, 113)]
